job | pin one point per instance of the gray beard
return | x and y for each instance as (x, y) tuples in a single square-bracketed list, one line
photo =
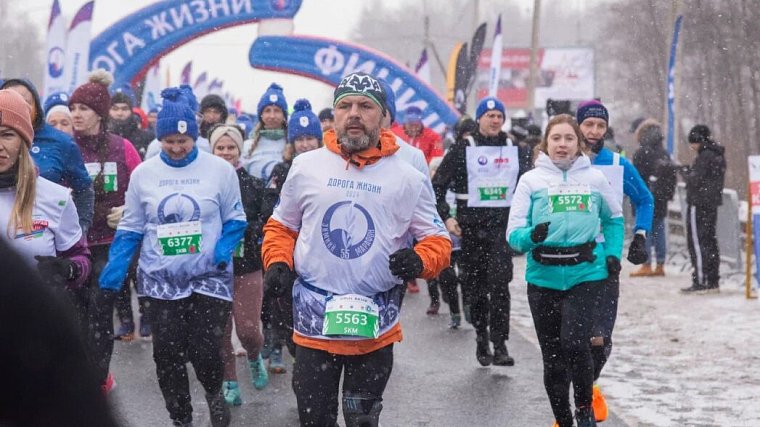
[(355, 145)]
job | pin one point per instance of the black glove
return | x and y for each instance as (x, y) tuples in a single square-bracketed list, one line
[(278, 279), (56, 271), (613, 268), (406, 264), (637, 252), (540, 232)]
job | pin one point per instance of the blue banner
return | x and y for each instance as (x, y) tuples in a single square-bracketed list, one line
[(671, 84), (132, 44), (329, 60)]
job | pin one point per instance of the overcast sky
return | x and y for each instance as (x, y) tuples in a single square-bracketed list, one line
[(224, 54)]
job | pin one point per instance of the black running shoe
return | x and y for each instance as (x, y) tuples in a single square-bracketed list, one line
[(218, 410)]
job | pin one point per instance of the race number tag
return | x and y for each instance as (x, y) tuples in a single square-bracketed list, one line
[(492, 191), (109, 174), (569, 198), (240, 249), (182, 238), (352, 315)]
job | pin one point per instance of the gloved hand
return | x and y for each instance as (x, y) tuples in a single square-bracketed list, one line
[(221, 266), (278, 279), (406, 264), (637, 253), (540, 232), (613, 268), (56, 271), (114, 216)]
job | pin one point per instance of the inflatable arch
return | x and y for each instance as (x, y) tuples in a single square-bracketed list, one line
[(130, 46), (329, 60)]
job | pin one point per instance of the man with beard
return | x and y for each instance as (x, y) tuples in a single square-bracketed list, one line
[(127, 124), (337, 241), (482, 169)]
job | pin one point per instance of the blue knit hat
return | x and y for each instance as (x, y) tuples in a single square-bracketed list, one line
[(413, 114), (487, 104), (189, 97), (303, 122), (591, 108), (57, 98), (175, 116), (273, 96), (390, 99)]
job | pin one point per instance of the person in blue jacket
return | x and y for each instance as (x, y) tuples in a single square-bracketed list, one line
[(183, 209), (593, 119), (56, 155)]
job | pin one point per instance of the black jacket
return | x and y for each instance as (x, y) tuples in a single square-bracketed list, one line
[(452, 174), (657, 170), (252, 194), (130, 130), (704, 179), (272, 193)]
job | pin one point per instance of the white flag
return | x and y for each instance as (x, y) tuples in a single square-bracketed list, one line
[(78, 47), (495, 74), (151, 95), (55, 79)]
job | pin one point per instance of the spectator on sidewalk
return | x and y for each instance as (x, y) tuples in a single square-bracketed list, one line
[(704, 193), (657, 170)]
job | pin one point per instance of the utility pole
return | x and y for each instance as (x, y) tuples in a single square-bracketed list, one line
[(429, 43), (534, 56)]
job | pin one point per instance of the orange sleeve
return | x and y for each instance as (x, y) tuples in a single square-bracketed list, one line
[(279, 244), (435, 252)]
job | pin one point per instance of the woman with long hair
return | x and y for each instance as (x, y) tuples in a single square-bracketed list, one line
[(227, 142), (38, 217), (264, 150), (110, 160), (55, 154), (557, 211)]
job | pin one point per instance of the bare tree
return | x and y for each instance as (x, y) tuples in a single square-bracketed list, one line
[(21, 51)]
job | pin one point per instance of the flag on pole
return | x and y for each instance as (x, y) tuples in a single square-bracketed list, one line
[(215, 86), (200, 87), (184, 77), (458, 77), (152, 88), (495, 74), (55, 78), (78, 47), (671, 84), (422, 70)]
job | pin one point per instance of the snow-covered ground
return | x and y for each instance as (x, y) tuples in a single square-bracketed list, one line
[(678, 360)]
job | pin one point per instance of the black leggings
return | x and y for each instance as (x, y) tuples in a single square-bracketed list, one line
[(188, 329), (564, 323), (316, 381), (99, 310), (606, 314), (123, 301)]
